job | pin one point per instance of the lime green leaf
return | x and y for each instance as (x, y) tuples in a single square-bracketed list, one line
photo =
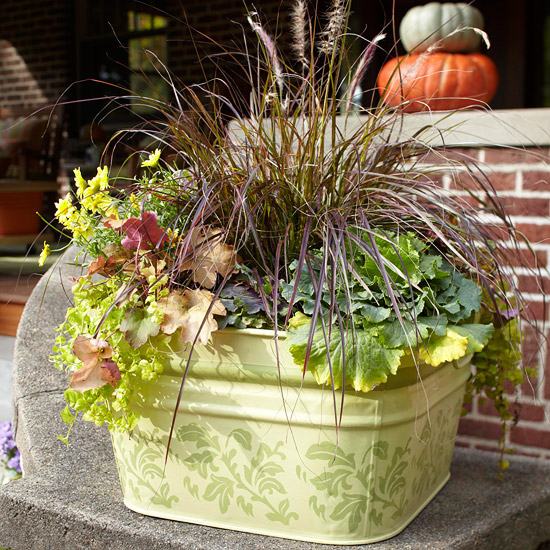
[(367, 361), (442, 349), (408, 334), (402, 259), (478, 335), (374, 314), (468, 296), (431, 267), (139, 327), (67, 416)]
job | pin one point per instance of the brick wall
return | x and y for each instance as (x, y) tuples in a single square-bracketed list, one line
[(37, 43), (198, 21), (522, 179), (35, 51)]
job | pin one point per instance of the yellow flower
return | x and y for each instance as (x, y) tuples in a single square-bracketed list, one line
[(153, 159), (80, 182), (172, 233), (97, 202), (46, 251), (63, 206), (100, 182), (82, 229), (134, 201)]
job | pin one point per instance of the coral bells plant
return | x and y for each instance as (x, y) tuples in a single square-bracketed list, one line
[(288, 217)]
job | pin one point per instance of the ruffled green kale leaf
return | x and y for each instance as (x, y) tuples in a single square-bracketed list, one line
[(478, 335), (458, 341), (402, 260), (461, 298), (244, 306), (407, 333), (374, 314), (304, 295), (363, 362), (443, 349), (432, 267)]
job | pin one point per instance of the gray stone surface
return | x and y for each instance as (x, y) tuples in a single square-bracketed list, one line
[(6, 364), (70, 498)]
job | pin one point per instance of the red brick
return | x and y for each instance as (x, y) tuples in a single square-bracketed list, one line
[(536, 311), (532, 340), (507, 155), (503, 181), (499, 181), (466, 180), (516, 206), (535, 233), (534, 283), (497, 232), (530, 437), (530, 384), (484, 429), (523, 411), (547, 375), (530, 412), (526, 258), (536, 181), (486, 407)]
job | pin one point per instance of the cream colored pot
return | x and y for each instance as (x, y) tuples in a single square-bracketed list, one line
[(252, 454)]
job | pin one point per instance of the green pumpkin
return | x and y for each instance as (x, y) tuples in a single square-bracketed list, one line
[(431, 25)]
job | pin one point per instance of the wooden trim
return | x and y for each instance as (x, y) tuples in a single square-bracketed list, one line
[(23, 186), (10, 314)]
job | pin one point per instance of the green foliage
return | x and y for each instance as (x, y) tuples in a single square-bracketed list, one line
[(363, 363), (497, 365), (244, 307), (138, 326), (93, 307), (364, 356)]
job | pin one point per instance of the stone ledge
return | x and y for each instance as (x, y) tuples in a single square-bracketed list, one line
[(70, 496)]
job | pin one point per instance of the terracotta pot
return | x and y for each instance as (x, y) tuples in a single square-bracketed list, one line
[(18, 212), (241, 459)]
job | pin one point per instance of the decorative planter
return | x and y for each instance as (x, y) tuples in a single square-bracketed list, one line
[(18, 212), (242, 460)]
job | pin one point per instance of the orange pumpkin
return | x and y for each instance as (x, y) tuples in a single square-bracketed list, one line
[(438, 81)]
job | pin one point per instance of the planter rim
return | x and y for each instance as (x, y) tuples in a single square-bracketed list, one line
[(260, 332)]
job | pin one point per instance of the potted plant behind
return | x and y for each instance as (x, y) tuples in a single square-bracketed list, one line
[(279, 327)]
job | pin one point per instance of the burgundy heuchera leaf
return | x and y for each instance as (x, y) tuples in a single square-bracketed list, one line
[(143, 233)]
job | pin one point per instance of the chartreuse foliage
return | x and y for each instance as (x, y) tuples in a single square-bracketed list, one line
[(436, 326), (93, 304)]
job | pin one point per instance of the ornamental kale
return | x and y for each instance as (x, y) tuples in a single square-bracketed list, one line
[(436, 323)]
